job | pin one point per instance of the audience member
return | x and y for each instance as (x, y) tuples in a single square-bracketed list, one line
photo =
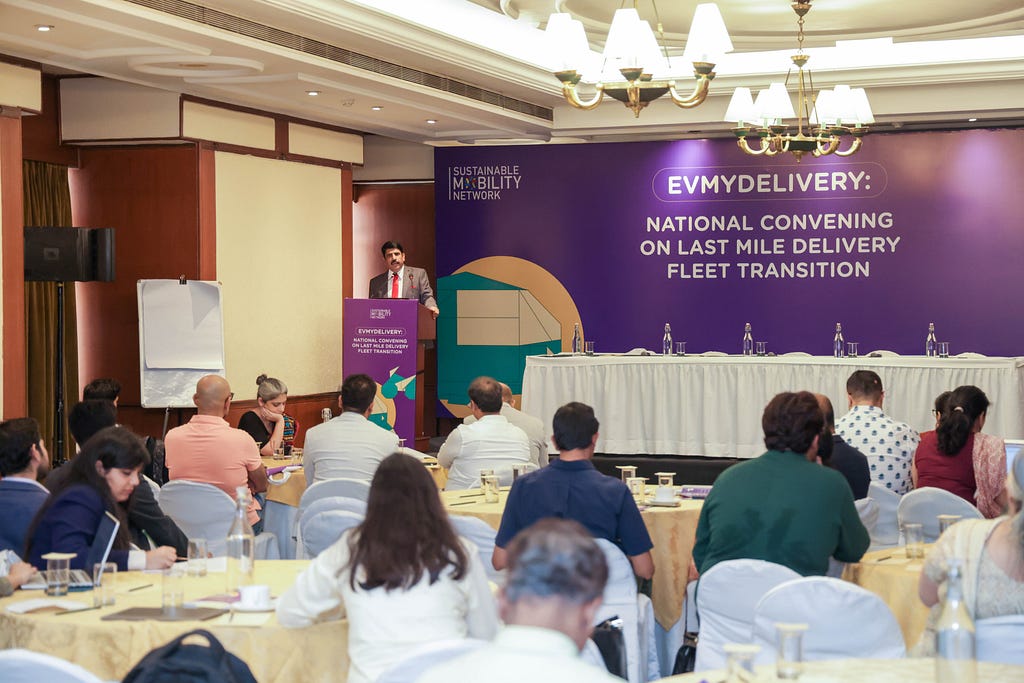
[(888, 445), (533, 427), (268, 425), (572, 488), (207, 449), (553, 588), (103, 477), (958, 458), (349, 445), (145, 518), (841, 456), (102, 389), (18, 574), (491, 442), (782, 506), (992, 564), (23, 460), (403, 577)]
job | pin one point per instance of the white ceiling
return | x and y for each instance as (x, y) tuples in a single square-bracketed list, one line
[(951, 60)]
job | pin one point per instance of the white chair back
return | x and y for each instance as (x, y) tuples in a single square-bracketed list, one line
[(202, 510), (482, 536), (886, 532), (323, 523), (153, 486), (999, 639), (727, 595), (868, 510), (422, 658), (844, 620), (636, 611), (24, 666), (345, 488), (924, 505)]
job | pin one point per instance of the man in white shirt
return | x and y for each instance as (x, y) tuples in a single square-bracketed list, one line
[(348, 446), (555, 581), (888, 445), (533, 427), (491, 442)]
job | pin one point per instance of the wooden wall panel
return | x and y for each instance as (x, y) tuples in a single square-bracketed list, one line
[(12, 224)]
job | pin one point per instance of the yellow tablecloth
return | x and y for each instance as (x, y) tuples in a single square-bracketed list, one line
[(290, 492), (908, 670), (672, 531), (109, 649), (892, 577)]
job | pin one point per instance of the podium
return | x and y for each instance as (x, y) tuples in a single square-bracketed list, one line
[(387, 339)]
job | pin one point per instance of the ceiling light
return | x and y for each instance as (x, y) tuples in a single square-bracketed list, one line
[(831, 116), (376, 107), (431, 121), (312, 93), (971, 120), (43, 28), (635, 68)]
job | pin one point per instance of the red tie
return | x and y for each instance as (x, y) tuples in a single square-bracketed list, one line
[(394, 286)]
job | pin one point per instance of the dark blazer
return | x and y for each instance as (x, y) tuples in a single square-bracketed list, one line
[(20, 500), (144, 515), (416, 286), (852, 464), (69, 526)]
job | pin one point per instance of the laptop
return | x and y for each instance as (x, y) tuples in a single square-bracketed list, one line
[(99, 551), (1013, 447)]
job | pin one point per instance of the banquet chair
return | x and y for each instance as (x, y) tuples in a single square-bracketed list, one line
[(154, 487), (204, 511), (844, 620), (999, 639), (482, 536), (428, 655), (886, 532), (867, 510), (349, 488), (726, 597), (923, 506), (25, 666), (323, 523), (622, 599)]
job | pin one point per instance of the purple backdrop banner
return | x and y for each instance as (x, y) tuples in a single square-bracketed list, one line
[(915, 228)]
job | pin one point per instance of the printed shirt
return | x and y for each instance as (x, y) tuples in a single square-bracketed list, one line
[(887, 444)]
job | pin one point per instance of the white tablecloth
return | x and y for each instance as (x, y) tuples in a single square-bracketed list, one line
[(712, 405)]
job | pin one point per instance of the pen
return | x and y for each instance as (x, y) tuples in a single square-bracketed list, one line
[(138, 588), (882, 559), (471, 495), (76, 611), (465, 502)]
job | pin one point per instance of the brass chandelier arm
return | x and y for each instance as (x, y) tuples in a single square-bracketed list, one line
[(573, 97), (826, 146), (766, 148), (854, 148), (695, 98)]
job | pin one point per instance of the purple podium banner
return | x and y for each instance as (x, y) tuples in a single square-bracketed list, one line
[(916, 228), (380, 341)]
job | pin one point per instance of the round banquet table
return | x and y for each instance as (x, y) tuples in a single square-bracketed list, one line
[(890, 575), (109, 649), (672, 531), (908, 670)]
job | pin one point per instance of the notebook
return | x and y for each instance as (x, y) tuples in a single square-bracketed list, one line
[(99, 551)]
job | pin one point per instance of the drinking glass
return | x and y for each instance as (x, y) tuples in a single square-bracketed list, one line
[(943, 349), (483, 476), (296, 456), (518, 470), (627, 472), (789, 662), (946, 521), (104, 574), (851, 349), (913, 538), (680, 348), (58, 575), (490, 488), (588, 348), (638, 487), (172, 592), (761, 348), (198, 551), (739, 663)]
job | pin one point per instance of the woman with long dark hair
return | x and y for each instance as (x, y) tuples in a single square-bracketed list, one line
[(403, 576), (958, 458), (102, 478)]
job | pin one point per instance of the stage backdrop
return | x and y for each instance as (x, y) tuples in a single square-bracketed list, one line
[(622, 238)]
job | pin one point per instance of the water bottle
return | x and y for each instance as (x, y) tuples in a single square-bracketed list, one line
[(666, 341), (748, 341), (838, 346), (241, 554), (326, 415), (577, 340), (930, 345), (954, 633)]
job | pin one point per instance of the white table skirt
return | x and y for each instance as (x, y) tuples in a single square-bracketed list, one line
[(712, 405)]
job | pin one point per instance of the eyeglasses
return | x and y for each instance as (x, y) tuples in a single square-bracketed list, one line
[(231, 395)]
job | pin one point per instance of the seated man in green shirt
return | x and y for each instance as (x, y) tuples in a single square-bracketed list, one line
[(782, 506)]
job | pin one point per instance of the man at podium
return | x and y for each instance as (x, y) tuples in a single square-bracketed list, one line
[(402, 281)]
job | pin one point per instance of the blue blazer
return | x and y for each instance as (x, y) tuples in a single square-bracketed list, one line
[(20, 500), (69, 526)]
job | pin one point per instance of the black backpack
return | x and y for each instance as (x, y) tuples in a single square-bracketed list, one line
[(176, 662)]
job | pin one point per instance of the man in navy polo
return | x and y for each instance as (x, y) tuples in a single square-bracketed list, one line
[(571, 488)]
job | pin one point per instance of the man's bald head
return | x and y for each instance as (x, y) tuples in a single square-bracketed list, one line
[(213, 396), (826, 409)]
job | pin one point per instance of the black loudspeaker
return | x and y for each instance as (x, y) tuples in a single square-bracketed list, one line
[(56, 254)]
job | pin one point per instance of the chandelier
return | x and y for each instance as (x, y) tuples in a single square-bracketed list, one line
[(635, 67), (832, 116)]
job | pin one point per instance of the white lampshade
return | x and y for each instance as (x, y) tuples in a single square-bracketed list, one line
[(708, 39), (823, 112), (623, 37), (845, 108), (773, 105), (865, 116), (741, 107), (566, 42)]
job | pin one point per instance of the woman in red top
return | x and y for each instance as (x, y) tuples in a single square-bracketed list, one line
[(958, 458)]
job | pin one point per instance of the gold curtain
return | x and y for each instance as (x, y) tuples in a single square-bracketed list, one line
[(48, 202)]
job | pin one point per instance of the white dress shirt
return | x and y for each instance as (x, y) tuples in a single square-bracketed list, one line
[(518, 654), (492, 442), (533, 427), (385, 625), (888, 445), (348, 446)]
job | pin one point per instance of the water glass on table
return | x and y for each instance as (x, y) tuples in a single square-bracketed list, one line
[(789, 655), (946, 521), (588, 348), (198, 551), (761, 348), (739, 662), (627, 472), (490, 488), (172, 591), (104, 575), (851, 349), (680, 348), (638, 487), (913, 540), (58, 573)]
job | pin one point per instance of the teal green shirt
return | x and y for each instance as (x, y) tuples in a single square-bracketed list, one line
[(782, 508)]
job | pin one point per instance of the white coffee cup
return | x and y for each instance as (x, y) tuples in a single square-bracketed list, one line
[(665, 494), (254, 597)]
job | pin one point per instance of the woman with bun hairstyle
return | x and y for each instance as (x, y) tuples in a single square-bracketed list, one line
[(268, 425)]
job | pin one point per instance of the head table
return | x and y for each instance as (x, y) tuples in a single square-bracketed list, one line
[(908, 670)]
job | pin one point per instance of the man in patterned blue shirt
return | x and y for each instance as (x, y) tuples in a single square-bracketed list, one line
[(887, 444)]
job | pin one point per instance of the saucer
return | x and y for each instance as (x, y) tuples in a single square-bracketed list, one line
[(269, 607)]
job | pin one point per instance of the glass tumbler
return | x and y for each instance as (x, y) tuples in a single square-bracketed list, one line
[(789, 659)]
